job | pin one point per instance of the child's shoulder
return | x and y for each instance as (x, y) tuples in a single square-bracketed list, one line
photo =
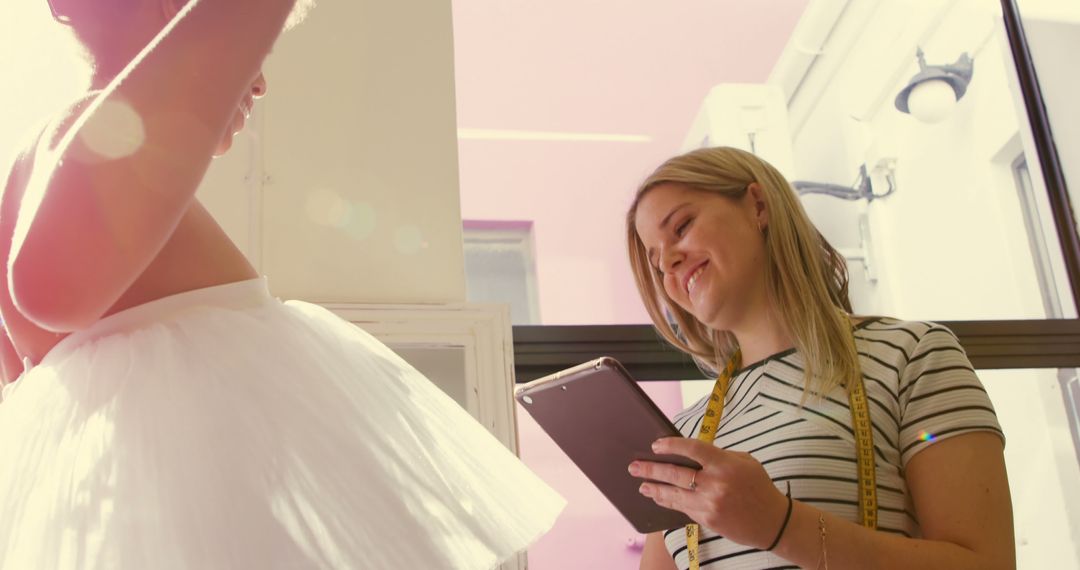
[(18, 164)]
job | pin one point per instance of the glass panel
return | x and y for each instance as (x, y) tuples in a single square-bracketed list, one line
[(1041, 454), (1052, 29), (499, 268)]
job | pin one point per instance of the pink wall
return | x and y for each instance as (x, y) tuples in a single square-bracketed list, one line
[(638, 68)]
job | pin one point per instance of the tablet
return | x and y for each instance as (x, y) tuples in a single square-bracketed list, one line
[(603, 420)]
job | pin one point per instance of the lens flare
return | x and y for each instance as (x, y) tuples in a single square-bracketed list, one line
[(409, 240), (327, 208), (362, 223), (115, 131)]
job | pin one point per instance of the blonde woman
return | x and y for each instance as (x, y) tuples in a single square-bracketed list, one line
[(170, 413), (733, 273)]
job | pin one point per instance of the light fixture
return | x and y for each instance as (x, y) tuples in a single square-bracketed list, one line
[(932, 93), (862, 189)]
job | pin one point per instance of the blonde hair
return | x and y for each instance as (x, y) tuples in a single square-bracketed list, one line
[(806, 279)]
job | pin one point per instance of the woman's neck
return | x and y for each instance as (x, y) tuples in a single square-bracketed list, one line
[(761, 338)]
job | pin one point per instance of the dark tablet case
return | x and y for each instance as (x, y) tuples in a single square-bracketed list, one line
[(603, 420)]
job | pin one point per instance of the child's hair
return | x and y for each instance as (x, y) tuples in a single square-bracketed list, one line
[(70, 9)]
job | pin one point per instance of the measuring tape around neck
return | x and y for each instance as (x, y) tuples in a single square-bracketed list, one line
[(864, 447)]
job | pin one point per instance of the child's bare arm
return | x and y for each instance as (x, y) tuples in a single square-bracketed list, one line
[(90, 225)]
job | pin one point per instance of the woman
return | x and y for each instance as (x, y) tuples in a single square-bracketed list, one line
[(733, 273), (170, 413)]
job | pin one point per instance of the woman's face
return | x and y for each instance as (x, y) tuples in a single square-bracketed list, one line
[(710, 250), (242, 114)]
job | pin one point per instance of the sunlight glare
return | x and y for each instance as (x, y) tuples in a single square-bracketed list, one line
[(41, 70)]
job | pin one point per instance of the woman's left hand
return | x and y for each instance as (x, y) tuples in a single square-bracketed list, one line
[(731, 495)]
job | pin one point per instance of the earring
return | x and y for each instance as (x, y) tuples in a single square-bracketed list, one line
[(168, 9), (62, 18)]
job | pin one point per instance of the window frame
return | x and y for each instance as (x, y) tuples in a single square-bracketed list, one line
[(517, 234)]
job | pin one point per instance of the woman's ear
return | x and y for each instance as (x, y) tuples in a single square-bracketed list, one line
[(756, 195)]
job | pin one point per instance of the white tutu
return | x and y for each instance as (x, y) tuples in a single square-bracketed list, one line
[(221, 428)]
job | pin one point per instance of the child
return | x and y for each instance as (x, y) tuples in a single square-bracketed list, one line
[(170, 413)]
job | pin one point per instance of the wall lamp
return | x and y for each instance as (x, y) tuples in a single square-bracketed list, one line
[(863, 188), (931, 93)]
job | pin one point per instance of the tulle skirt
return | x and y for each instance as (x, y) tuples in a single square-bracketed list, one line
[(221, 428)]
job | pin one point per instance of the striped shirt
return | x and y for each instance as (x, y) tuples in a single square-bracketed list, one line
[(920, 387)]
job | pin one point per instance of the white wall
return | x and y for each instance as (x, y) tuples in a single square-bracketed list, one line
[(346, 187)]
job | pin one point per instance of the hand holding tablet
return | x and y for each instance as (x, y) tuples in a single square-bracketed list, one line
[(598, 415)]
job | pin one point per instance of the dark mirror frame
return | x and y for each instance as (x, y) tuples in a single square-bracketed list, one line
[(1035, 343)]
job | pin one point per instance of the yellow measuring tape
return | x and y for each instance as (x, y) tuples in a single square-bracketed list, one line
[(864, 447)]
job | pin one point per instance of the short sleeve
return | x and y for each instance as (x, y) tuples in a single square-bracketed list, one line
[(940, 395)]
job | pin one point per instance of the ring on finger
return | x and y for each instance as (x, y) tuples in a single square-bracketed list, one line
[(693, 481)]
